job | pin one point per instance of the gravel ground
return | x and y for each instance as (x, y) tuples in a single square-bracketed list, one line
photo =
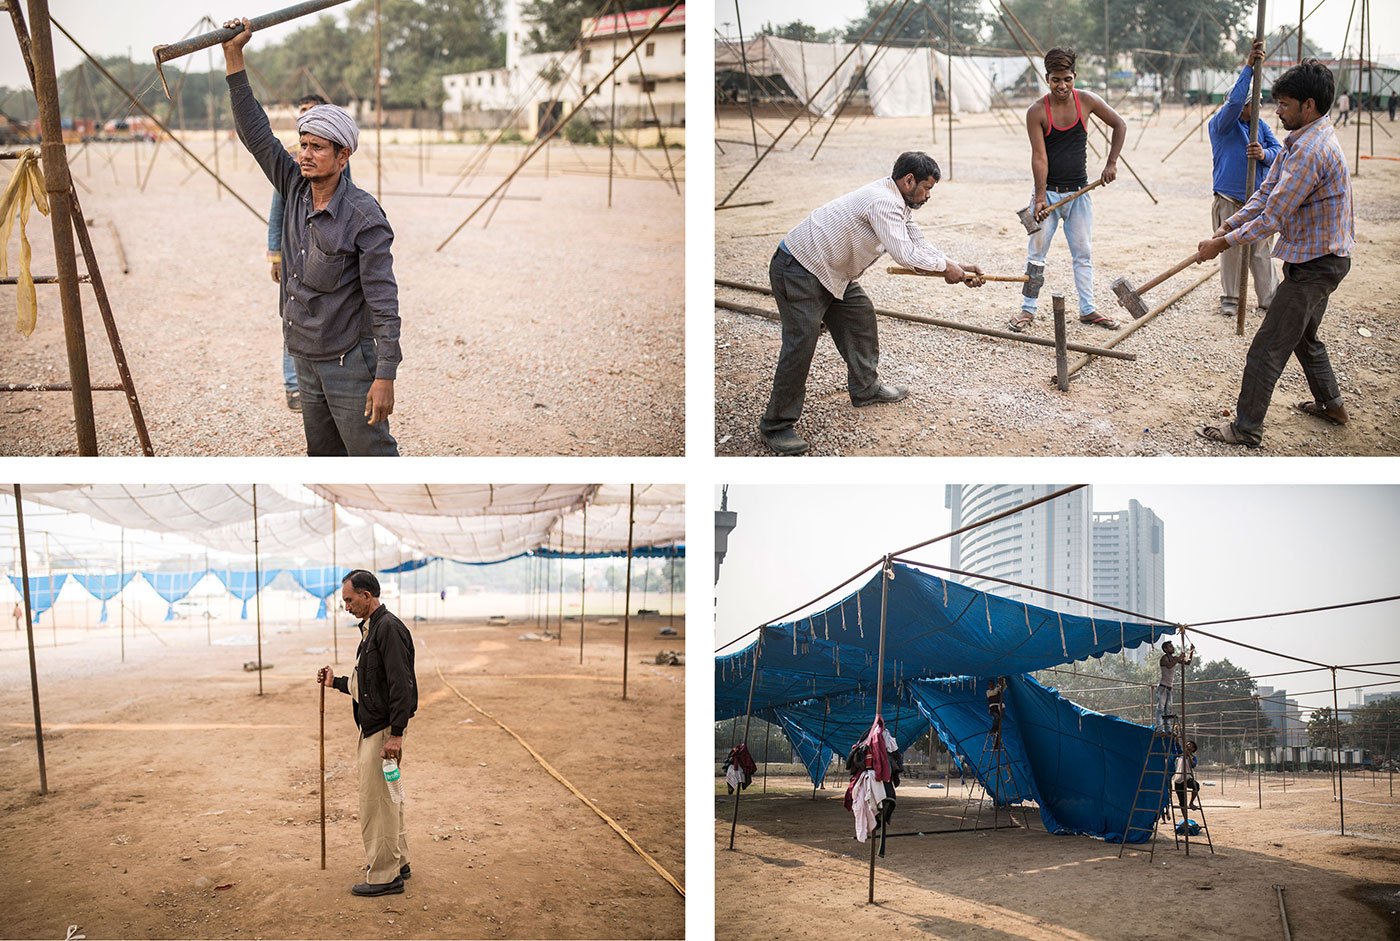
[(972, 395), (538, 335)]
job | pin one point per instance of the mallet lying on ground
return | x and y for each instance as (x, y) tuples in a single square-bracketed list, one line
[(895, 269), (1032, 224), (1131, 300)]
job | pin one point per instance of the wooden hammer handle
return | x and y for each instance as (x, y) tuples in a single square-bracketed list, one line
[(1174, 269), (895, 269)]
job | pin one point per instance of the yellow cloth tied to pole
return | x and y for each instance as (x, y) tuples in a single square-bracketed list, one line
[(26, 186)]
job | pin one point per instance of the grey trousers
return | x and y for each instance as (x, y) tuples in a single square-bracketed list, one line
[(804, 306), (1261, 265), (1290, 329), (333, 406)]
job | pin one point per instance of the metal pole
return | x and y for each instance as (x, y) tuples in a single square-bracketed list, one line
[(58, 184), (1356, 97), (612, 137), (671, 610), (1258, 750), (627, 595), (748, 82), (335, 564), (1300, 30), (748, 715), (323, 775), (949, 24), (257, 578), (121, 602), (1107, 58), (1337, 733), (1057, 304), (29, 629), (1185, 759), (1251, 175), (48, 569), (886, 573), (582, 583), (378, 102)]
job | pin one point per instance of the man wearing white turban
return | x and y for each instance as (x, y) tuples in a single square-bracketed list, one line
[(340, 309)]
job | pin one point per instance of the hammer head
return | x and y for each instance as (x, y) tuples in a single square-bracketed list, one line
[(1128, 298), (1027, 217)]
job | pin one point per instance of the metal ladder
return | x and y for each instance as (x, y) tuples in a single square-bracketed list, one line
[(1004, 779), (1154, 786)]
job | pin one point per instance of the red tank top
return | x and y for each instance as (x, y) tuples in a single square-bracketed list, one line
[(1064, 150)]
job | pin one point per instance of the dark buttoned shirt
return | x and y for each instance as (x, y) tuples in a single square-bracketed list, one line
[(337, 266)]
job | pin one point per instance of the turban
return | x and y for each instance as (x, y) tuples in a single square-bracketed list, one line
[(332, 123)]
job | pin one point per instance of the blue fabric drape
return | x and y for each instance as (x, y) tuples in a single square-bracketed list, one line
[(172, 586), (820, 730), (320, 582), (243, 584), (43, 589), (104, 588)]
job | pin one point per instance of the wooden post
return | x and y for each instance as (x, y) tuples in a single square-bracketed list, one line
[(612, 136), (257, 577), (29, 630), (748, 715), (886, 574), (627, 596), (1251, 174), (323, 774), (335, 564), (1057, 304)]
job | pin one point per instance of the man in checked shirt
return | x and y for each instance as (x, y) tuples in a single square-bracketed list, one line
[(814, 272), (340, 302), (1306, 198)]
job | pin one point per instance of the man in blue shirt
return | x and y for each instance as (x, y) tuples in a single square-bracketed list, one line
[(1230, 146)]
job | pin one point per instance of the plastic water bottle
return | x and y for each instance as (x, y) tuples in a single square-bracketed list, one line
[(391, 778)]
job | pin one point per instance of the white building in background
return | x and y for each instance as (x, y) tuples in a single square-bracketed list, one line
[(537, 88), (1063, 545)]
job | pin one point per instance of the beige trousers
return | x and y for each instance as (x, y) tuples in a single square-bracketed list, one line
[(381, 820), (1261, 265)]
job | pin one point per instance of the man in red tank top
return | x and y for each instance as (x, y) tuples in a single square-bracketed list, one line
[(1058, 129)]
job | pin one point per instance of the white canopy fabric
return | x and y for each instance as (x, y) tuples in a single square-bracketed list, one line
[(901, 82), (163, 508), (803, 65), (455, 499)]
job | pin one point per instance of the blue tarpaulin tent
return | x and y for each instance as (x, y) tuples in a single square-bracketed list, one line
[(104, 588), (243, 584), (320, 582), (937, 629), (43, 589), (820, 730), (172, 586)]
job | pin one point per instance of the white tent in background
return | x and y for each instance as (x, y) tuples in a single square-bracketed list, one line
[(901, 82)]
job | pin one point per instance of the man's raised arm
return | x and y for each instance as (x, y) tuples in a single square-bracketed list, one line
[(251, 121)]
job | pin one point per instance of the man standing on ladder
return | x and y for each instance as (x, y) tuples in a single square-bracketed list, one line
[(1169, 661), (996, 705)]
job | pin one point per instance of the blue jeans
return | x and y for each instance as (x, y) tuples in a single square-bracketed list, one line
[(1078, 220), (289, 370), (333, 395)]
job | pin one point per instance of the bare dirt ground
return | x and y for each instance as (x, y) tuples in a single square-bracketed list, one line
[(975, 395), (183, 805), (554, 330), (796, 867)]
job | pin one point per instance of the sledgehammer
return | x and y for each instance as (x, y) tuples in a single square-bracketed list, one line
[(1032, 224), (1131, 300)]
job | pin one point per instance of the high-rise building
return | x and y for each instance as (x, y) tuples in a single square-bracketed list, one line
[(1129, 571), (725, 521), (1063, 545)]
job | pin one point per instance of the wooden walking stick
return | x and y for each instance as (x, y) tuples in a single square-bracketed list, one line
[(323, 774)]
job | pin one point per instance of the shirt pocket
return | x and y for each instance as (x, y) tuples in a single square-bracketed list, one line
[(323, 269)]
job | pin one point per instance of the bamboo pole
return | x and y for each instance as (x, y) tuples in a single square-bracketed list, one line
[(627, 596), (582, 583), (1251, 175), (29, 631), (335, 563), (257, 578)]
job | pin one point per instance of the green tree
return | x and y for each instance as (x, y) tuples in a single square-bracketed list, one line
[(557, 23), (916, 20), (804, 32), (1323, 729)]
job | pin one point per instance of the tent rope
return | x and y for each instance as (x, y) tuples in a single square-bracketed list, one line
[(565, 781)]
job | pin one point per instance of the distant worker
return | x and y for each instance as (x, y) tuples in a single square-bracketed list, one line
[(1343, 109), (19, 613), (1306, 198), (383, 693), (1169, 661), (814, 272), (1058, 127), (339, 300), (1392, 105), (996, 705), (1185, 778), (274, 255), (1230, 149)]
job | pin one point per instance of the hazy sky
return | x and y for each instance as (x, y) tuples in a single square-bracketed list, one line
[(1230, 551), (1328, 23), (135, 26)]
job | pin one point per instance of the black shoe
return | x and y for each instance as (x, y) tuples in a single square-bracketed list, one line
[(378, 888), (785, 441), (405, 871), (882, 395), (294, 400)]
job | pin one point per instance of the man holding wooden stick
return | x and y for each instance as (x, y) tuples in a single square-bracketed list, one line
[(1306, 198), (340, 305), (813, 274)]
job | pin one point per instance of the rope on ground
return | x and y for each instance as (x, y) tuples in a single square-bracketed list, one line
[(1353, 800), (565, 781), (26, 186)]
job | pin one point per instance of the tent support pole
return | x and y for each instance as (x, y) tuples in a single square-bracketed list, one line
[(1337, 737), (1251, 174), (748, 715), (121, 604), (582, 583), (1181, 705), (949, 26), (748, 82), (335, 564), (29, 630), (767, 738), (886, 573), (822, 744), (257, 579), (627, 595)]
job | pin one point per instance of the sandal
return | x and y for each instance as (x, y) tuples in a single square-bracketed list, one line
[(1019, 323), (1317, 411), (1222, 434), (1099, 320)]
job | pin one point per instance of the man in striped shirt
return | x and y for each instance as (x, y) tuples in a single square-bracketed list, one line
[(1306, 198), (814, 272)]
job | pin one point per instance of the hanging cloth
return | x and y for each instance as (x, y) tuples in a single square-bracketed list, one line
[(26, 186)]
